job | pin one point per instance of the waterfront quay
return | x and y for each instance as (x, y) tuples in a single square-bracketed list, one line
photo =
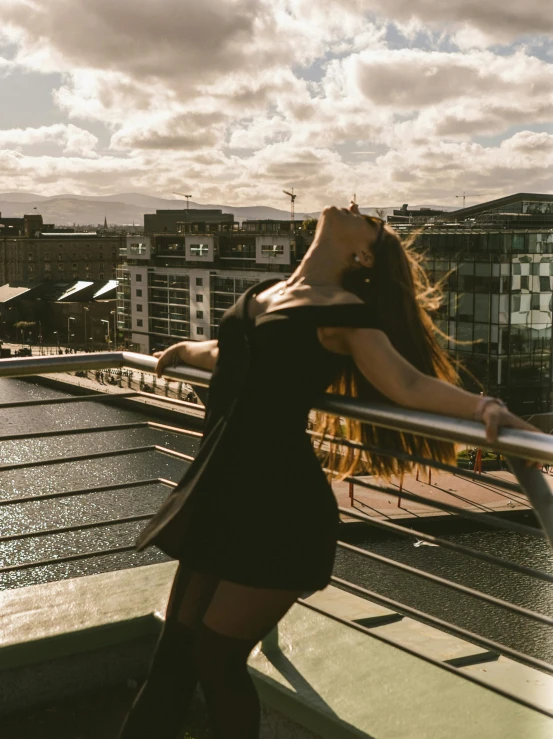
[(388, 500), (408, 642)]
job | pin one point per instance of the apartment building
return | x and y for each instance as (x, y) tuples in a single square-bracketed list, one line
[(177, 285)]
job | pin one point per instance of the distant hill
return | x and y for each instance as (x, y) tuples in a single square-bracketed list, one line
[(128, 208)]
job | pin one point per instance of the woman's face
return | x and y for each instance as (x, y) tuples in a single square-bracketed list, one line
[(349, 231)]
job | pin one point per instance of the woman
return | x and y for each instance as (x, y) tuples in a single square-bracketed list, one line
[(254, 522)]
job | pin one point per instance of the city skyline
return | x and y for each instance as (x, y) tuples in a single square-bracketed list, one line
[(235, 101)]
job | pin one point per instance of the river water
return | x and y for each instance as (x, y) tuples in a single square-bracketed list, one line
[(463, 610)]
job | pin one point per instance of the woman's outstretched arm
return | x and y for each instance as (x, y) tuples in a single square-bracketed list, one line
[(201, 354), (398, 380)]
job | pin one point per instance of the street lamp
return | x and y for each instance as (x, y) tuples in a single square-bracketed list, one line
[(103, 320), (57, 339), (69, 329), (85, 309)]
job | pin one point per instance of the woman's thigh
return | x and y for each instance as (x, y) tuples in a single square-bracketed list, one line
[(244, 612), (190, 597)]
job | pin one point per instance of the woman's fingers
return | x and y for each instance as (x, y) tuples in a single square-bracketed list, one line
[(496, 417), (492, 420), (165, 359)]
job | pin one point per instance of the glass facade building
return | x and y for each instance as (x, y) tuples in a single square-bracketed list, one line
[(497, 308)]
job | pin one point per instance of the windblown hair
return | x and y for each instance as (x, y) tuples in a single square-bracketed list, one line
[(401, 296)]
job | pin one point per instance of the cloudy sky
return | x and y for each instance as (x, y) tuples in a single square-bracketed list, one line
[(233, 100)]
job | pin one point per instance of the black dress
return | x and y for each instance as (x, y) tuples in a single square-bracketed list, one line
[(255, 507)]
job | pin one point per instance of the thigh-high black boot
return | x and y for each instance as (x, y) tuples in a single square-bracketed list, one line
[(159, 710)]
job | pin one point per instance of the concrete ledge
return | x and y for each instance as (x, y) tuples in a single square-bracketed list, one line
[(317, 677)]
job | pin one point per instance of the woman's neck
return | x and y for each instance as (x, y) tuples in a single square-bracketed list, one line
[(321, 267)]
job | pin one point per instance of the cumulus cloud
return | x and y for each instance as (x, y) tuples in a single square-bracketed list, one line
[(249, 96), (498, 19), (73, 140)]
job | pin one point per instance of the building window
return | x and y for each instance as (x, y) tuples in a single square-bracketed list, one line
[(139, 278), (272, 250), (200, 331), (137, 248), (139, 307), (199, 281), (101, 275), (139, 293), (60, 257), (199, 250), (139, 322), (74, 265), (199, 298), (199, 314)]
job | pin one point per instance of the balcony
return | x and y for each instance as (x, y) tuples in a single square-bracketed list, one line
[(355, 660)]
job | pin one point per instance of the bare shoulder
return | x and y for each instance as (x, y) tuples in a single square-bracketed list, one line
[(348, 340)]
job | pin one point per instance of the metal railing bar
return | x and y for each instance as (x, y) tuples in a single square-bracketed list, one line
[(75, 527), (173, 401), (477, 639), (425, 462), (173, 453), (85, 491), (101, 397), (96, 455), (68, 432), (66, 558), (78, 458), (99, 429), (486, 519), (538, 492), (511, 442), (174, 429), (23, 366), (143, 363), (471, 677), (492, 600), (459, 548), (517, 496), (169, 483)]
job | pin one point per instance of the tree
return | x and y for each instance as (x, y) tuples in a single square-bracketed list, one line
[(381, 213), (310, 224)]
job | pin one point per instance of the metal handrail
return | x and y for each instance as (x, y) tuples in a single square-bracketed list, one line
[(536, 447), (512, 443)]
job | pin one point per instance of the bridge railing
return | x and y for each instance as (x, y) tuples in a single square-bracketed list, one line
[(519, 447)]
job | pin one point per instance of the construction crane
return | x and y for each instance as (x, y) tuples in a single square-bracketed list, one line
[(464, 196), (184, 196), (292, 197)]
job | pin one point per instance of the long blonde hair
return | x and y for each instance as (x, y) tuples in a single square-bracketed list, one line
[(397, 289)]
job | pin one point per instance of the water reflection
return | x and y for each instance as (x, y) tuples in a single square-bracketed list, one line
[(66, 475), (462, 610)]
